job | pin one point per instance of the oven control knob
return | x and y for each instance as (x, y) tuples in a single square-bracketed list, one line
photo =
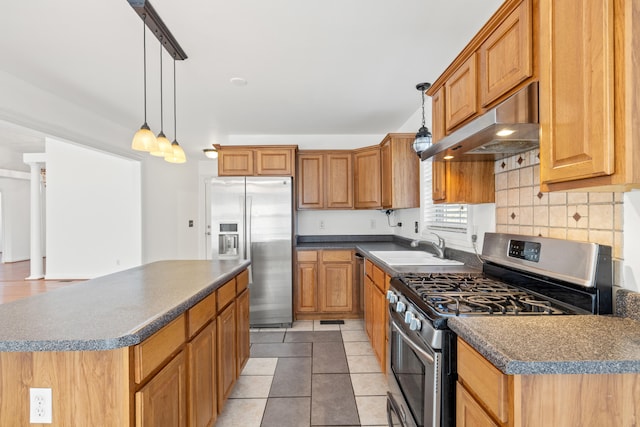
[(408, 317), (400, 307), (392, 297), (415, 324)]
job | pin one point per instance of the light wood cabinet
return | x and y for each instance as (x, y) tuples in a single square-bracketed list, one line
[(487, 397), (203, 403), (325, 180), (242, 306), (336, 277), (589, 87), (256, 161), (162, 401), (324, 285), (461, 101), (376, 313), (506, 56), (400, 172), (367, 178), (226, 353)]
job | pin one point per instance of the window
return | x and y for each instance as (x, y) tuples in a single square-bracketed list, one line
[(440, 217)]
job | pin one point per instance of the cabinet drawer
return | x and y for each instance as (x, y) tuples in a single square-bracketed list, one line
[(201, 313), (242, 281), (149, 354), (336, 256), (378, 277), (226, 294), (488, 384), (307, 256), (368, 268)]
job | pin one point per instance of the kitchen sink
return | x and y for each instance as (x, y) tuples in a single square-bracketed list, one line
[(412, 258)]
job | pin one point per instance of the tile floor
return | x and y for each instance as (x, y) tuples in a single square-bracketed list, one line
[(309, 375)]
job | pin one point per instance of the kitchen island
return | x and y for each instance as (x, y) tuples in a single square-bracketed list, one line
[(110, 347)]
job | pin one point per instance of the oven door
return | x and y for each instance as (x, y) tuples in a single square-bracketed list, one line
[(415, 372)]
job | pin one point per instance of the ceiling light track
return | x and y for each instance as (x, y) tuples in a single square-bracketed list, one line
[(157, 26)]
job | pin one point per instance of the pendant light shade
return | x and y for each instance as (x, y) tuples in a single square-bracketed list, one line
[(144, 139), (164, 145), (177, 153), (423, 137)]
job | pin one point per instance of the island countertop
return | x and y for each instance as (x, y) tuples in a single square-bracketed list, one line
[(582, 344), (112, 311)]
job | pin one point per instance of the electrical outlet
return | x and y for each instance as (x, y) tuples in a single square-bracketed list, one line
[(40, 406), (321, 225), (474, 238), (415, 227)]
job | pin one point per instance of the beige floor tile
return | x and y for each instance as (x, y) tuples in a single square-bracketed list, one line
[(260, 366), (369, 384), (352, 325), (350, 336), (372, 410), (363, 364), (301, 325), (242, 412), (319, 327), (252, 386), (358, 348)]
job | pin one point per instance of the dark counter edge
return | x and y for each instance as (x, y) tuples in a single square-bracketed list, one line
[(132, 338), (509, 366)]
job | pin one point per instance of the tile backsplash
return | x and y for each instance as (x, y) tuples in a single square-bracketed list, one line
[(521, 207)]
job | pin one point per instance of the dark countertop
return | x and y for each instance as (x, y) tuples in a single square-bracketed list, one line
[(582, 344), (113, 311)]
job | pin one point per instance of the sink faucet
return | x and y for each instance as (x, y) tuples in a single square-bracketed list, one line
[(438, 247)]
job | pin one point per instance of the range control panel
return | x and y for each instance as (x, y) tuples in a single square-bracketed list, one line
[(529, 251)]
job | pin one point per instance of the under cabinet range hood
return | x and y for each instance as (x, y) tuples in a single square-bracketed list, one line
[(509, 128)]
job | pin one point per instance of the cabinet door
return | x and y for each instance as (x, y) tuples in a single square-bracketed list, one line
[(202, 378), (400, 172), (386, 171), (576, 90), (310, 181), (379, 307), (274, 161), (506, 57), (438, 168), (232, 162), (368, 307), (367, 178), (307, 289), (242, 326), (226, 353), (339, 181), (460, 94), (337, 287), (468, 412), (162, 401)]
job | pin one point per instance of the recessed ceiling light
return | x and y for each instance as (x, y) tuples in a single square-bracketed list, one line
[(238, 81)]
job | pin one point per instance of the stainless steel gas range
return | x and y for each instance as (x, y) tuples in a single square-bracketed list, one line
[(521, 276)]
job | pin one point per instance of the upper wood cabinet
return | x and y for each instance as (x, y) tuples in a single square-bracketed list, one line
[(461, 100), (589, 91), (400, 172), (506, 57), (325, 180), (498, 61), (256, 161), (367, 178)]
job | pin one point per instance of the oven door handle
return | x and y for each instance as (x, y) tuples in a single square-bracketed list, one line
[(411, 344)]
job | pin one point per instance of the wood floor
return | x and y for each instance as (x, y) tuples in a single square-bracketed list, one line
[(13, 285)]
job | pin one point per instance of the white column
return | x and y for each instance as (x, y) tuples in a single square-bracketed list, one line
[(35, 162)]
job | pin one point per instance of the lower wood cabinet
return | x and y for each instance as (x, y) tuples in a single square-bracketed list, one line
[(203, 405), (375, 310), (163, 400), (324, 285), (227, 363), (242, 312)]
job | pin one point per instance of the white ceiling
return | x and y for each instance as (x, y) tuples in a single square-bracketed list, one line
[(313, 67)]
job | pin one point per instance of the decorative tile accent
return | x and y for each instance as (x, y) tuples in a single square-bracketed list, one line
[(520, 160), (539, 195), (503, 165), (576, 216), (513, 215)]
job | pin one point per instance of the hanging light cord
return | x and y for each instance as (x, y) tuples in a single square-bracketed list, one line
[(175, 120), (423, 123), (144, 61), (161, 110)]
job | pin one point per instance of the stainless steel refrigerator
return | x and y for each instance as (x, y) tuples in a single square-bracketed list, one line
[(252, 218)]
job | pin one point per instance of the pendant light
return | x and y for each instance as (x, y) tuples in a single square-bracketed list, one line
[(423, 137), (177, 153), (144, 139), (164, 145)]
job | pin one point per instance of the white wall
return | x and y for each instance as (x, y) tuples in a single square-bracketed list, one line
[(93, 212), (15, 217)]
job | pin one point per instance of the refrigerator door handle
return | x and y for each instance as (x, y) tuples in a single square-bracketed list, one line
[(248, 254)]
